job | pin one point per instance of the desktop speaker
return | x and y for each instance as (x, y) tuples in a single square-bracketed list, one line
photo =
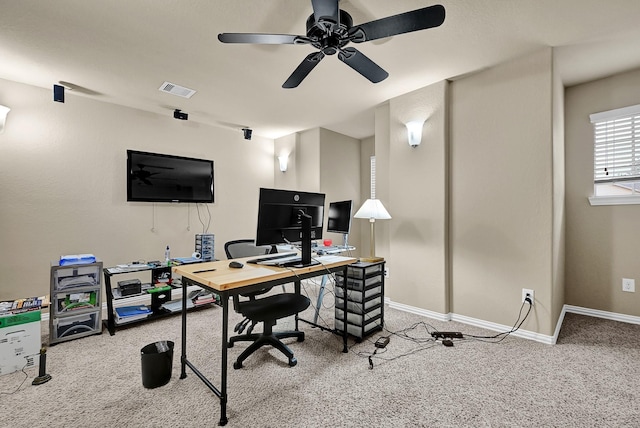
[(58, 93)]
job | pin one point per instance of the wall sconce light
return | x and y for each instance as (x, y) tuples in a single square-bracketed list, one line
[(283, 160), (414, 132), (3, 117)]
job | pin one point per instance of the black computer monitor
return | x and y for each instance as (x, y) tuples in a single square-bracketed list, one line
[(287, 216), (339, 219)]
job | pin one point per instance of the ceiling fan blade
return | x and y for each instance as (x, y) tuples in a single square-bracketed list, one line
[(303, 70), (421, 19), (263, 39), (362, 64), (326, 9)]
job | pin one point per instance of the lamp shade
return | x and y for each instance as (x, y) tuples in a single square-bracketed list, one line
[(373, 209), (414, 132), (3, 116), (283, 161)]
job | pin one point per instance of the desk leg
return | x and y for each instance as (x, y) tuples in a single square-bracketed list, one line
[(223, 368), (344, 308), (297, 289), (183, 355), (323, 283), (111, 324)]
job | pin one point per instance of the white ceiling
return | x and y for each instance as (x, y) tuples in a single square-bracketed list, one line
[(121, 51)]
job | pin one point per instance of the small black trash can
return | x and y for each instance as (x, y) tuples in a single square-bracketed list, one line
[(157, 362)]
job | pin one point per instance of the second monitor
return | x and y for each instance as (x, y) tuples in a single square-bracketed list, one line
[(339, 219)]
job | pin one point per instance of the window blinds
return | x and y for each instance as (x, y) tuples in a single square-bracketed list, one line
[(617, 144)]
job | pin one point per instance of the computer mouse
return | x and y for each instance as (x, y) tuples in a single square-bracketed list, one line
[(236, 265)]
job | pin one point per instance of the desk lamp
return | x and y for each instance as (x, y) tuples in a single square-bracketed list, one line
[(373, 210)]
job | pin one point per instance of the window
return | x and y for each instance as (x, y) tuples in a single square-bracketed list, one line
[(616, 156)]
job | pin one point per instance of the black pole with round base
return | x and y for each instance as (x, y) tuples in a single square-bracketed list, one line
[(43, 377)]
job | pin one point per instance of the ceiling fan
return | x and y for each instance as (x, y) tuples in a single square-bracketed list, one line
[(330, 29)]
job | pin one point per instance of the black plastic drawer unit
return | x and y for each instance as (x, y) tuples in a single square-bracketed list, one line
[(364, 298)]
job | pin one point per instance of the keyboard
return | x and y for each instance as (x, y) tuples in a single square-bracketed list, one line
[(293, 261), (286, 262), (274, 259), (333, 249)]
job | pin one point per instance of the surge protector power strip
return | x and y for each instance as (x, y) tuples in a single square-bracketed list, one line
[(447, 335)]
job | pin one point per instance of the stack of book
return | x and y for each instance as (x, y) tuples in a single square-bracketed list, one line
[(203, 297), (23, 305), (132, 313)]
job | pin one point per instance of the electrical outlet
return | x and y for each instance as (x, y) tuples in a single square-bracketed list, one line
[(629, 285), (386, 272), (526, 291)]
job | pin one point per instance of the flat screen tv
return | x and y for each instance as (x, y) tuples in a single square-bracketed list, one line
[(155, 177)]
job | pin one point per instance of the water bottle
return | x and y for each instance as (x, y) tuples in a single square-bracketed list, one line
[(167, 256)]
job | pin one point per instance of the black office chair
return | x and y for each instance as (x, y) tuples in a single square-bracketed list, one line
[(266, 310)]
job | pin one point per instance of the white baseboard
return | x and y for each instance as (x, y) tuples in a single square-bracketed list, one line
[(525, 334), (630, 319), (418, 311), (470, 321)]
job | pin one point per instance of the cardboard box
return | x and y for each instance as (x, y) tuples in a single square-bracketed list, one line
[(20, 341)]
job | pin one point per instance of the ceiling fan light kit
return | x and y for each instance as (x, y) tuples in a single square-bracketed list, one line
[(330, 29)]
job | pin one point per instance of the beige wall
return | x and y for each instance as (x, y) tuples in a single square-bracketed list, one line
[(478, 207), (308, 160), (381, 146), (340, 177), (418, 201), (501, 199), (63, 189), (559, 189), (323, 161), (602, 241)]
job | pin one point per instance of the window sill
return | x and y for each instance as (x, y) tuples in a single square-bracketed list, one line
[(614, 200)]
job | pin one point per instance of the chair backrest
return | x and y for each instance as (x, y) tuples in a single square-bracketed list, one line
[(245, 248)]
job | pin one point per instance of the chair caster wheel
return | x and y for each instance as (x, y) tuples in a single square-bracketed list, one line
[(230, 345), (237, 365), (292, 362), (301, 338)]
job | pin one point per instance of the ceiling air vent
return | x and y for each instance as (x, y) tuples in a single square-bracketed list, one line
[(173, 89)]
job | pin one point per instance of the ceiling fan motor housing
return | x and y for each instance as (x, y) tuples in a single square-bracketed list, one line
[(327, 35)]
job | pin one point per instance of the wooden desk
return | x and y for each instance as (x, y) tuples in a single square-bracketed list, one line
[(221, 279)]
